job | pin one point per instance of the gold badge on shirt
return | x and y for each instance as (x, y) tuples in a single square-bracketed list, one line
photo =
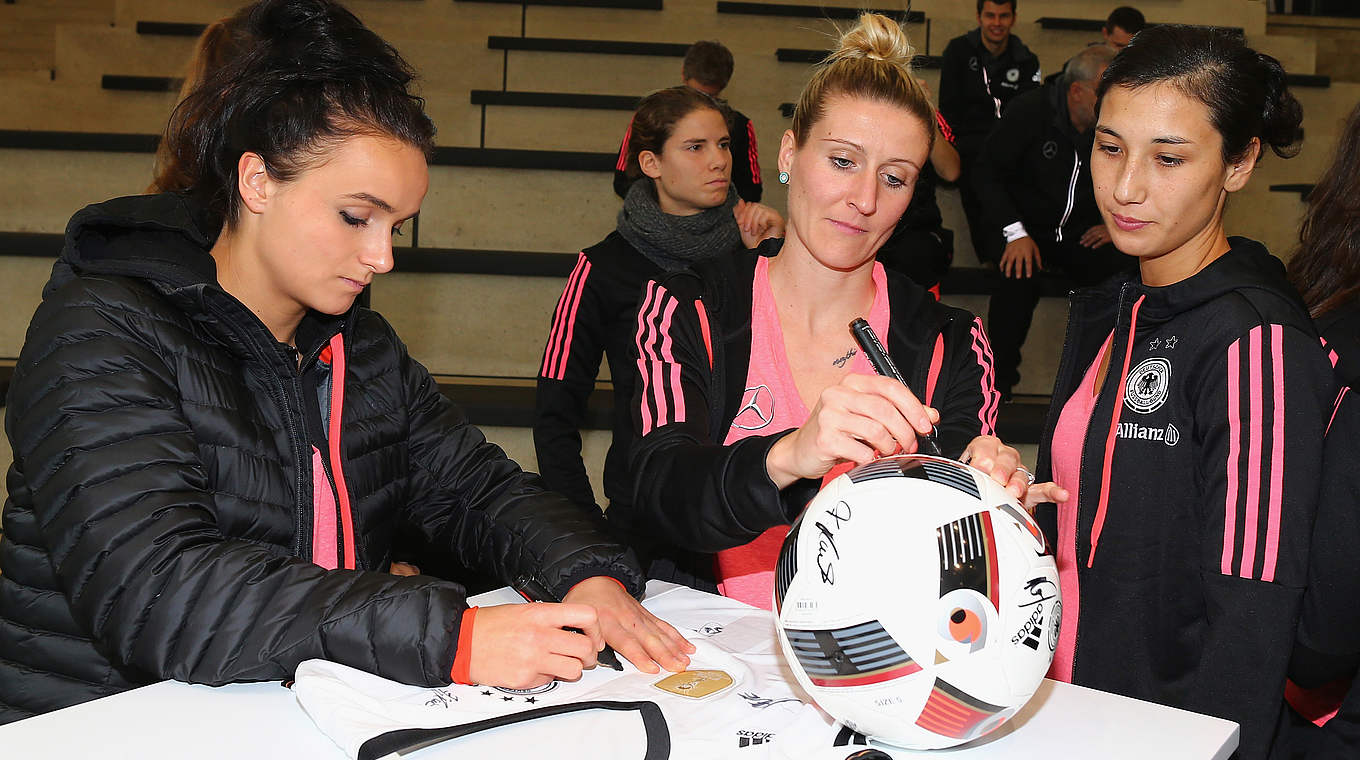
[(695, 684)]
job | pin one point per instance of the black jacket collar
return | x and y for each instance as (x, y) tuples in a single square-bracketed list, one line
[(165, 241)]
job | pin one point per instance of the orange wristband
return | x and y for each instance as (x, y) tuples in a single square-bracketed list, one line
[(462, 658)]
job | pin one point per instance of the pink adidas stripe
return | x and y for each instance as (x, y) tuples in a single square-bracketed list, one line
[(646, 312), (672, 379), (751, 152), (1336, 407), (1253, 499), (991, 397), (558, 350), (933, 376), (622, 163), (1272, 550), (1234, 455)]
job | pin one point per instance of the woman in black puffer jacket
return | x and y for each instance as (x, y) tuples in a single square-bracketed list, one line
[(212, 444)]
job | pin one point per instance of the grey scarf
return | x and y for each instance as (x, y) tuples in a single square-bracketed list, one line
[(674, 242)]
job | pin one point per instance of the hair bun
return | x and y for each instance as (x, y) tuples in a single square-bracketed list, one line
[(1282, 117), (877, 38)]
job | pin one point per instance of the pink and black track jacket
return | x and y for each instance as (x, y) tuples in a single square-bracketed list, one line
[(1198, 487), (596, 316), (1328, 645), (696, 496)]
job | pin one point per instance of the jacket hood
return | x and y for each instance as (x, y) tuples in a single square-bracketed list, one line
[(158, 238), (1247, 268), (165, 241)]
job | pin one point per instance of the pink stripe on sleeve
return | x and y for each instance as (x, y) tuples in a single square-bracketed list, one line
[(564, 322), (1253, 500), (548, 351), (622, 163), (1234, 455), (1272, 549), (991, 398), (752, 153), (671, 381), (1336, 407), (643, 339), (933, 376)]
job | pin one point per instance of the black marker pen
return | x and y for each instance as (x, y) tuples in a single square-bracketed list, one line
[(883, 365)]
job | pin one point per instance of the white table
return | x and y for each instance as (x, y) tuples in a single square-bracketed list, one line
[(263, 720)]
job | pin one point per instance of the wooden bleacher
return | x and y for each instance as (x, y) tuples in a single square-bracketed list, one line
[(529, 96)]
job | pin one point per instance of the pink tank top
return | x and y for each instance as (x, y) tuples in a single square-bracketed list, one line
[(1068, 436), (770, 404)]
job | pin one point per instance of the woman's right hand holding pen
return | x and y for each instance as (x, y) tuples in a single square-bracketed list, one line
[(856, 420), (521, 646)]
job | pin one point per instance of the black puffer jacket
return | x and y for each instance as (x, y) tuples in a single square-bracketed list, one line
[(160, 512)]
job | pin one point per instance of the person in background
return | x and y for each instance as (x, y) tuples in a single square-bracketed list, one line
[(981, 71), (1190, 402), (1122, 23), (682, 210), (708, 68), (1034, 179), (1326, 270), (750, 389), (211, 442)]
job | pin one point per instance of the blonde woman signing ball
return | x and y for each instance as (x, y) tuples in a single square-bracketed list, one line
[(751, 389)]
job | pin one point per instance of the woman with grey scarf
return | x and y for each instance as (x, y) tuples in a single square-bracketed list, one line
[(681, 209)]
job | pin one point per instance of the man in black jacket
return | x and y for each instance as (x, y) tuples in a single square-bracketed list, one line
[(1034, 180), (980, 73)]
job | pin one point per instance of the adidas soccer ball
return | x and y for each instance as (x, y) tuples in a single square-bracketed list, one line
[(917, 602)]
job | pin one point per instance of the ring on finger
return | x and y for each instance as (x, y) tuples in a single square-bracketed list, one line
[(1029, 476)]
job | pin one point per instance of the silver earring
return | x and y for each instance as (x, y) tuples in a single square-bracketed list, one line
[(783, 178)]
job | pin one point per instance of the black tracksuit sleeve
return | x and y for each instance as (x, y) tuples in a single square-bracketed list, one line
[(746, 161), (1260, 412), (953, 71), (965, 397), (571, 362), (1329, 626), (1000, 163), (689, 489)]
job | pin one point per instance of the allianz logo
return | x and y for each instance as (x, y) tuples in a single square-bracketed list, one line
[(1133, 431)]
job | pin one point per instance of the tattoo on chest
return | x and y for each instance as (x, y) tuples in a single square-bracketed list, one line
[(840, 362)]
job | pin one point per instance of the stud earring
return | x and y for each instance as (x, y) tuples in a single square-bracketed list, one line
[(783, 178)]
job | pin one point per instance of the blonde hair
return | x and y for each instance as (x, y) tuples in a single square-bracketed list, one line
[(872, 61)]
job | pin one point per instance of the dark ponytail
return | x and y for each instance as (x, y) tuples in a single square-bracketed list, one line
[(1245, 91), (1326, 268), (314, 76)]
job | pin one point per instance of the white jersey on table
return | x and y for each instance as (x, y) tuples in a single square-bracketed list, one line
[(743, 720)]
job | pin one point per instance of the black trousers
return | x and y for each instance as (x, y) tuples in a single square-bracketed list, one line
[(1011, 310), (988, 242)]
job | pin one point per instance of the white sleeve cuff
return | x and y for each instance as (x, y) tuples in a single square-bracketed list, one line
[(1014, 231)]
